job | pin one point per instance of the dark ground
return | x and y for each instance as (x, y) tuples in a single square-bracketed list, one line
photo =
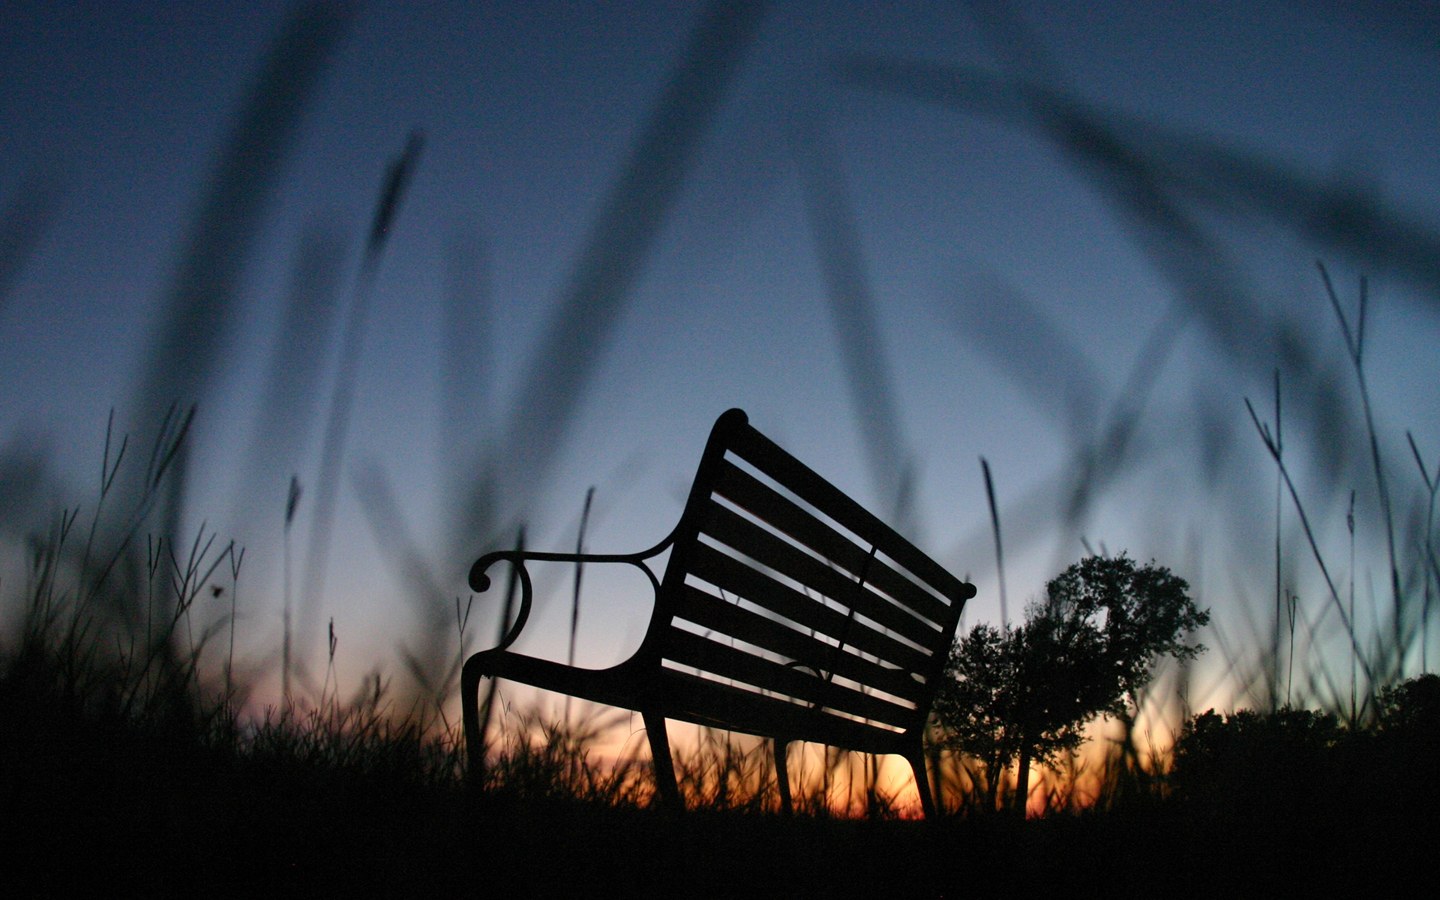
[(93, 805), (172, 826)]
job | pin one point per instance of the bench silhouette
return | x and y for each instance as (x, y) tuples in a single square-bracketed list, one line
[(786, 611)]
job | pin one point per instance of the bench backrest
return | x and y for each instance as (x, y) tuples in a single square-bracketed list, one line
[(780, 585)]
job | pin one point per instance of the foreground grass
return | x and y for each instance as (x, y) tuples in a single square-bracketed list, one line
[(175, 801)]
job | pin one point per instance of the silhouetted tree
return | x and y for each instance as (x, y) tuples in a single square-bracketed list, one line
[(1026, 693), (1411, 709)]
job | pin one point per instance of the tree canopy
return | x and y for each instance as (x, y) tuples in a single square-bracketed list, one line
[(1086, 649)]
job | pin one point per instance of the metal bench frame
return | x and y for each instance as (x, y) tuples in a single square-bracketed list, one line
[(786, 610)]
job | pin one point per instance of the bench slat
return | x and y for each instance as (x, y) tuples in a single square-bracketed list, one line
[(712, 613), (770, 551), (691, 698), (732, 575), (767, 456), (718, 659), (769, 505)]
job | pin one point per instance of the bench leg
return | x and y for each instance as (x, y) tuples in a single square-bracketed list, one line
[(782, 775), (922, 783), (665, 783), (474, 741)]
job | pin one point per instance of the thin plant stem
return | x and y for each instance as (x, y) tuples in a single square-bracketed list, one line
[(1350, 525), (330, 683), (292, 502), (1345, 617), (235, 562), (1292, 600), (1428, 551), (1355, 344), (462, 619), (575, 600), (1279, 483), (107, 481)]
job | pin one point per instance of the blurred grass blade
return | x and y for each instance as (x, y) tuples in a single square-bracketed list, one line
[(395, 541), (292, 382), (342, 398), (1059, 379), (1137, 183), (999, 546), (1010, 329), (200, 305), (621, 238), (1097, 462), (25, 477), (853, 310), (467, 386), (1148, 177), (1338, 216), (23, 223), (397, 179)]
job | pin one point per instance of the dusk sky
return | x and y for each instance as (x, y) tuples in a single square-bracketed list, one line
[(869, 214)]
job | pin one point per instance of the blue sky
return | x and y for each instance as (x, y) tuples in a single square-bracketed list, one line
[(1014, 288)]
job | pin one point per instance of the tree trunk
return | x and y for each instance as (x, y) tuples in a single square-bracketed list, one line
[(993, 774), (1022, 781)]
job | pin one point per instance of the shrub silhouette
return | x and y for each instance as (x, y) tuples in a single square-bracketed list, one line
[(1290, 764), (1248, 762)]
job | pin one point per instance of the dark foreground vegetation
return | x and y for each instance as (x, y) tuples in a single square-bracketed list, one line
[(178, 799)]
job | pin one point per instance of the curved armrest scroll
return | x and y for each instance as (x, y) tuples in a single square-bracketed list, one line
[(480, 579), (480, 583)]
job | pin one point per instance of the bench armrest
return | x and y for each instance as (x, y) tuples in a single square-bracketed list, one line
[(480, 578)]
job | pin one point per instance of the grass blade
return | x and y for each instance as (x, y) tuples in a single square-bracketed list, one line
[(23, 223), (630, 220), (852, 308), (342, 398), (200, 305)]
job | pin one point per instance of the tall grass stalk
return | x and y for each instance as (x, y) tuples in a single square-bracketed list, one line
[(236, 560), (1355, 347), (575, 594), (1428, 569), (1279, 557), (1350, 527), (292, 506), (462, 621), (1270, 441)]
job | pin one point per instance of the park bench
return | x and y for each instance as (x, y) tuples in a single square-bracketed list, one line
[(785, 610)]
